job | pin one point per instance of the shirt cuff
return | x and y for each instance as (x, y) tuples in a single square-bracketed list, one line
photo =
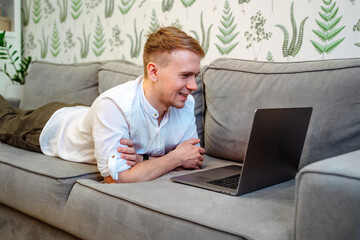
[(116, 164)]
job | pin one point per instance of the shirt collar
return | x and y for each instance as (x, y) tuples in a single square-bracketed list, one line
[(150, 110)]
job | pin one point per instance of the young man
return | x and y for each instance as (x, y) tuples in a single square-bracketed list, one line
[(153, 116)]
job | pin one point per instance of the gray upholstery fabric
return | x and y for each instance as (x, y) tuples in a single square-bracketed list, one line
[(39, 185), (50, 82), (199, 111), (328, 199), (234, 89), (161, 209), (15, 225), (112, 74)]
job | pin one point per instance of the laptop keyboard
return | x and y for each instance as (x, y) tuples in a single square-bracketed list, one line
[(228, 182)]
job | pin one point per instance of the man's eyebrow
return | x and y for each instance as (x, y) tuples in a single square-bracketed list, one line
[(189, 72)]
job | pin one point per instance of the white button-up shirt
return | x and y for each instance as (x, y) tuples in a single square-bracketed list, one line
[(92, 134)]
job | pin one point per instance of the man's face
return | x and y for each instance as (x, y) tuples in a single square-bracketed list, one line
[(177, 80)]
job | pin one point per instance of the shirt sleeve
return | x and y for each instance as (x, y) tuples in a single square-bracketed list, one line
[(109, 125)]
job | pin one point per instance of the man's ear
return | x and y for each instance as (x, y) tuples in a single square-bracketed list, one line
[(152, 71)]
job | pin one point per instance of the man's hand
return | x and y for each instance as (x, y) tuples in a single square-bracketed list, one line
[(128, 153), (191, 156)]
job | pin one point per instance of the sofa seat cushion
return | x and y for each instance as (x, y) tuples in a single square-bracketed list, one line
[(235, 88), (161, 209), (39, 185)]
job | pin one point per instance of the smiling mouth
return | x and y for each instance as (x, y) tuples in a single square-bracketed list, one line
[(183, 94)]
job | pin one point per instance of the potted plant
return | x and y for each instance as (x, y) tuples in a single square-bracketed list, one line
[(19, 71)]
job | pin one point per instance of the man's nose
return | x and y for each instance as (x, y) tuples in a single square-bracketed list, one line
[(192, 84)]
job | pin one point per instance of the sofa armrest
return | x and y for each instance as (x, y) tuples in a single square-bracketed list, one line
[(328, 199)]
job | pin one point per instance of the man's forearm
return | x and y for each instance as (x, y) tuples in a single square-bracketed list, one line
[(149, 170)]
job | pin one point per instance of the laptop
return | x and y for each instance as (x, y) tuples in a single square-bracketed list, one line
[(273, 153)]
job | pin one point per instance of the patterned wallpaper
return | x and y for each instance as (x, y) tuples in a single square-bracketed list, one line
[(67, 31)]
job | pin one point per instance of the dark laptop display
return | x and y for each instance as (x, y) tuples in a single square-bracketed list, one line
[(274, 150)]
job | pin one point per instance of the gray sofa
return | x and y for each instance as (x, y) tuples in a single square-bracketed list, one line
[(48, 198)]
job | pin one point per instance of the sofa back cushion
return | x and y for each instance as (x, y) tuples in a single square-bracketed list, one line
[(50, 82), (114, 73), (234, 89)]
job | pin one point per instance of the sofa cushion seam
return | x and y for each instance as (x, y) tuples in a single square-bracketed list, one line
[(328, 174), (279, 72)]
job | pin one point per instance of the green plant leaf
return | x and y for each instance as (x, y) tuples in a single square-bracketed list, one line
[(300, 38), (324, 17), (322, 25), (319, 48), (334, 23), (321, 35), (333, 14), (286, 40), (332, 7), (327, 2), (333, 45), (13, 54), (335, 32)]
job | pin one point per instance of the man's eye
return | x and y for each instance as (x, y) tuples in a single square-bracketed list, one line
[(184, 75)]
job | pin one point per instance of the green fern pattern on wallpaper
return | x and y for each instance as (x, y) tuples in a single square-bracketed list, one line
[(63, 7), (43, 45), (205, 40), (269, 57), (135, 46), (84, 51), (154, 22), (25, 11), (167, 5), (125, 6), (296, 42), (227, 31), (99, 41), (243, 28), (109, 8), (187, 4), (328, 30), (37, 11), (55, 41), (76, 8)]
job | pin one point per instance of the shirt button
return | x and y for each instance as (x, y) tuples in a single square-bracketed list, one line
[(155, 114), (113, 156)]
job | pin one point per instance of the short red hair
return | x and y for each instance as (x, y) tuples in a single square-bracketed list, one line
[(166, 40)]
